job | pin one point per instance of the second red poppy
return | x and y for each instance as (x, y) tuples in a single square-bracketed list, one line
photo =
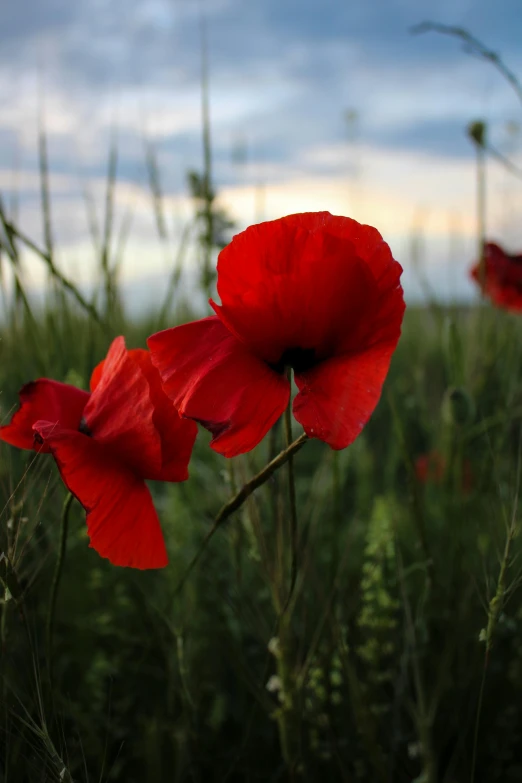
[(106, 443), (500, 277), (313, 292)]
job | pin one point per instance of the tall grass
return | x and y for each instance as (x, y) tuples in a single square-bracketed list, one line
[(392, 652), (403, 588)]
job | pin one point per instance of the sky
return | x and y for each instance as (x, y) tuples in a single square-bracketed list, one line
[(314, 104)]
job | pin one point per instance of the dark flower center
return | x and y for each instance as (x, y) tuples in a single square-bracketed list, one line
[(299, 359), (84, 427)]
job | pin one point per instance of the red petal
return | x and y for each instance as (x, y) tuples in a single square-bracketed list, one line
[(502, 281), (504, 296), (311, 281), (121, 520), (177, 434), (212, 378), (96, 375), (384, 323), (338, 396), (430, 467), (368, 243), (55, 402), (120, 413)]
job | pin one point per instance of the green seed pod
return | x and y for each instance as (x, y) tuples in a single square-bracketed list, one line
[(274, 647), (457, 407), (477, 132)]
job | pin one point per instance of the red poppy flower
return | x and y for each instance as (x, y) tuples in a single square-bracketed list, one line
[(105, 444), (314, 292), (502, 277), (431, 468)]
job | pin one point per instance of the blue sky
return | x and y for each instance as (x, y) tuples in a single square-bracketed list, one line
[(283, 76)]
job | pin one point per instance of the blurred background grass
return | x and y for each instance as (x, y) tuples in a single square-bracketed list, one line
[(406, 616), (398, 577)]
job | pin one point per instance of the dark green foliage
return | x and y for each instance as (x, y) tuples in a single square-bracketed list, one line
[(397, 581)]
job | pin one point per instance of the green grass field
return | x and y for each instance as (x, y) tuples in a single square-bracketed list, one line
[(396, 657), (402, 641)]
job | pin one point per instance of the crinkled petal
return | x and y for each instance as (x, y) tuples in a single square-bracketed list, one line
[(337, 397), (368, 244), (96, 375), (384, 324), (121, 520), (501, 277), (507, 298), (120, 413), (312, 281), (177, 434), (215, 380), (58, 403)]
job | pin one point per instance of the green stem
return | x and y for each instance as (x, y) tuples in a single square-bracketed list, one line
[(494, 609), (424, 716), (288, 715), (497, 602), (240, 497), (55, 272), (338, 512), (477, 718), (208, 195), (291, 493), (481, 212), (237, 538), (3, 624), (56, 578), (416, 499)]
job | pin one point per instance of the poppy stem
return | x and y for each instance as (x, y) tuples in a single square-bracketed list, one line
[(240, 497), (477, 132), (291, 493), (481, 211), (64, 526), (288, 714)]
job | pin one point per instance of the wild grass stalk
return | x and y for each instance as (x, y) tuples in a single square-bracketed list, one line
[(207, 189), (477, 132), (475, 47), (64, 526), (242, 495), (14, 232), (107, 271), (494, 610)]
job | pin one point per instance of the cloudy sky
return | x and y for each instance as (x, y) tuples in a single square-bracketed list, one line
[(315, 104)]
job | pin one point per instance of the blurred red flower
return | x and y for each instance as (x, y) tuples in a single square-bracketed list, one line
[(431, 468), (502, 277), (105, 444), (314, 292)]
